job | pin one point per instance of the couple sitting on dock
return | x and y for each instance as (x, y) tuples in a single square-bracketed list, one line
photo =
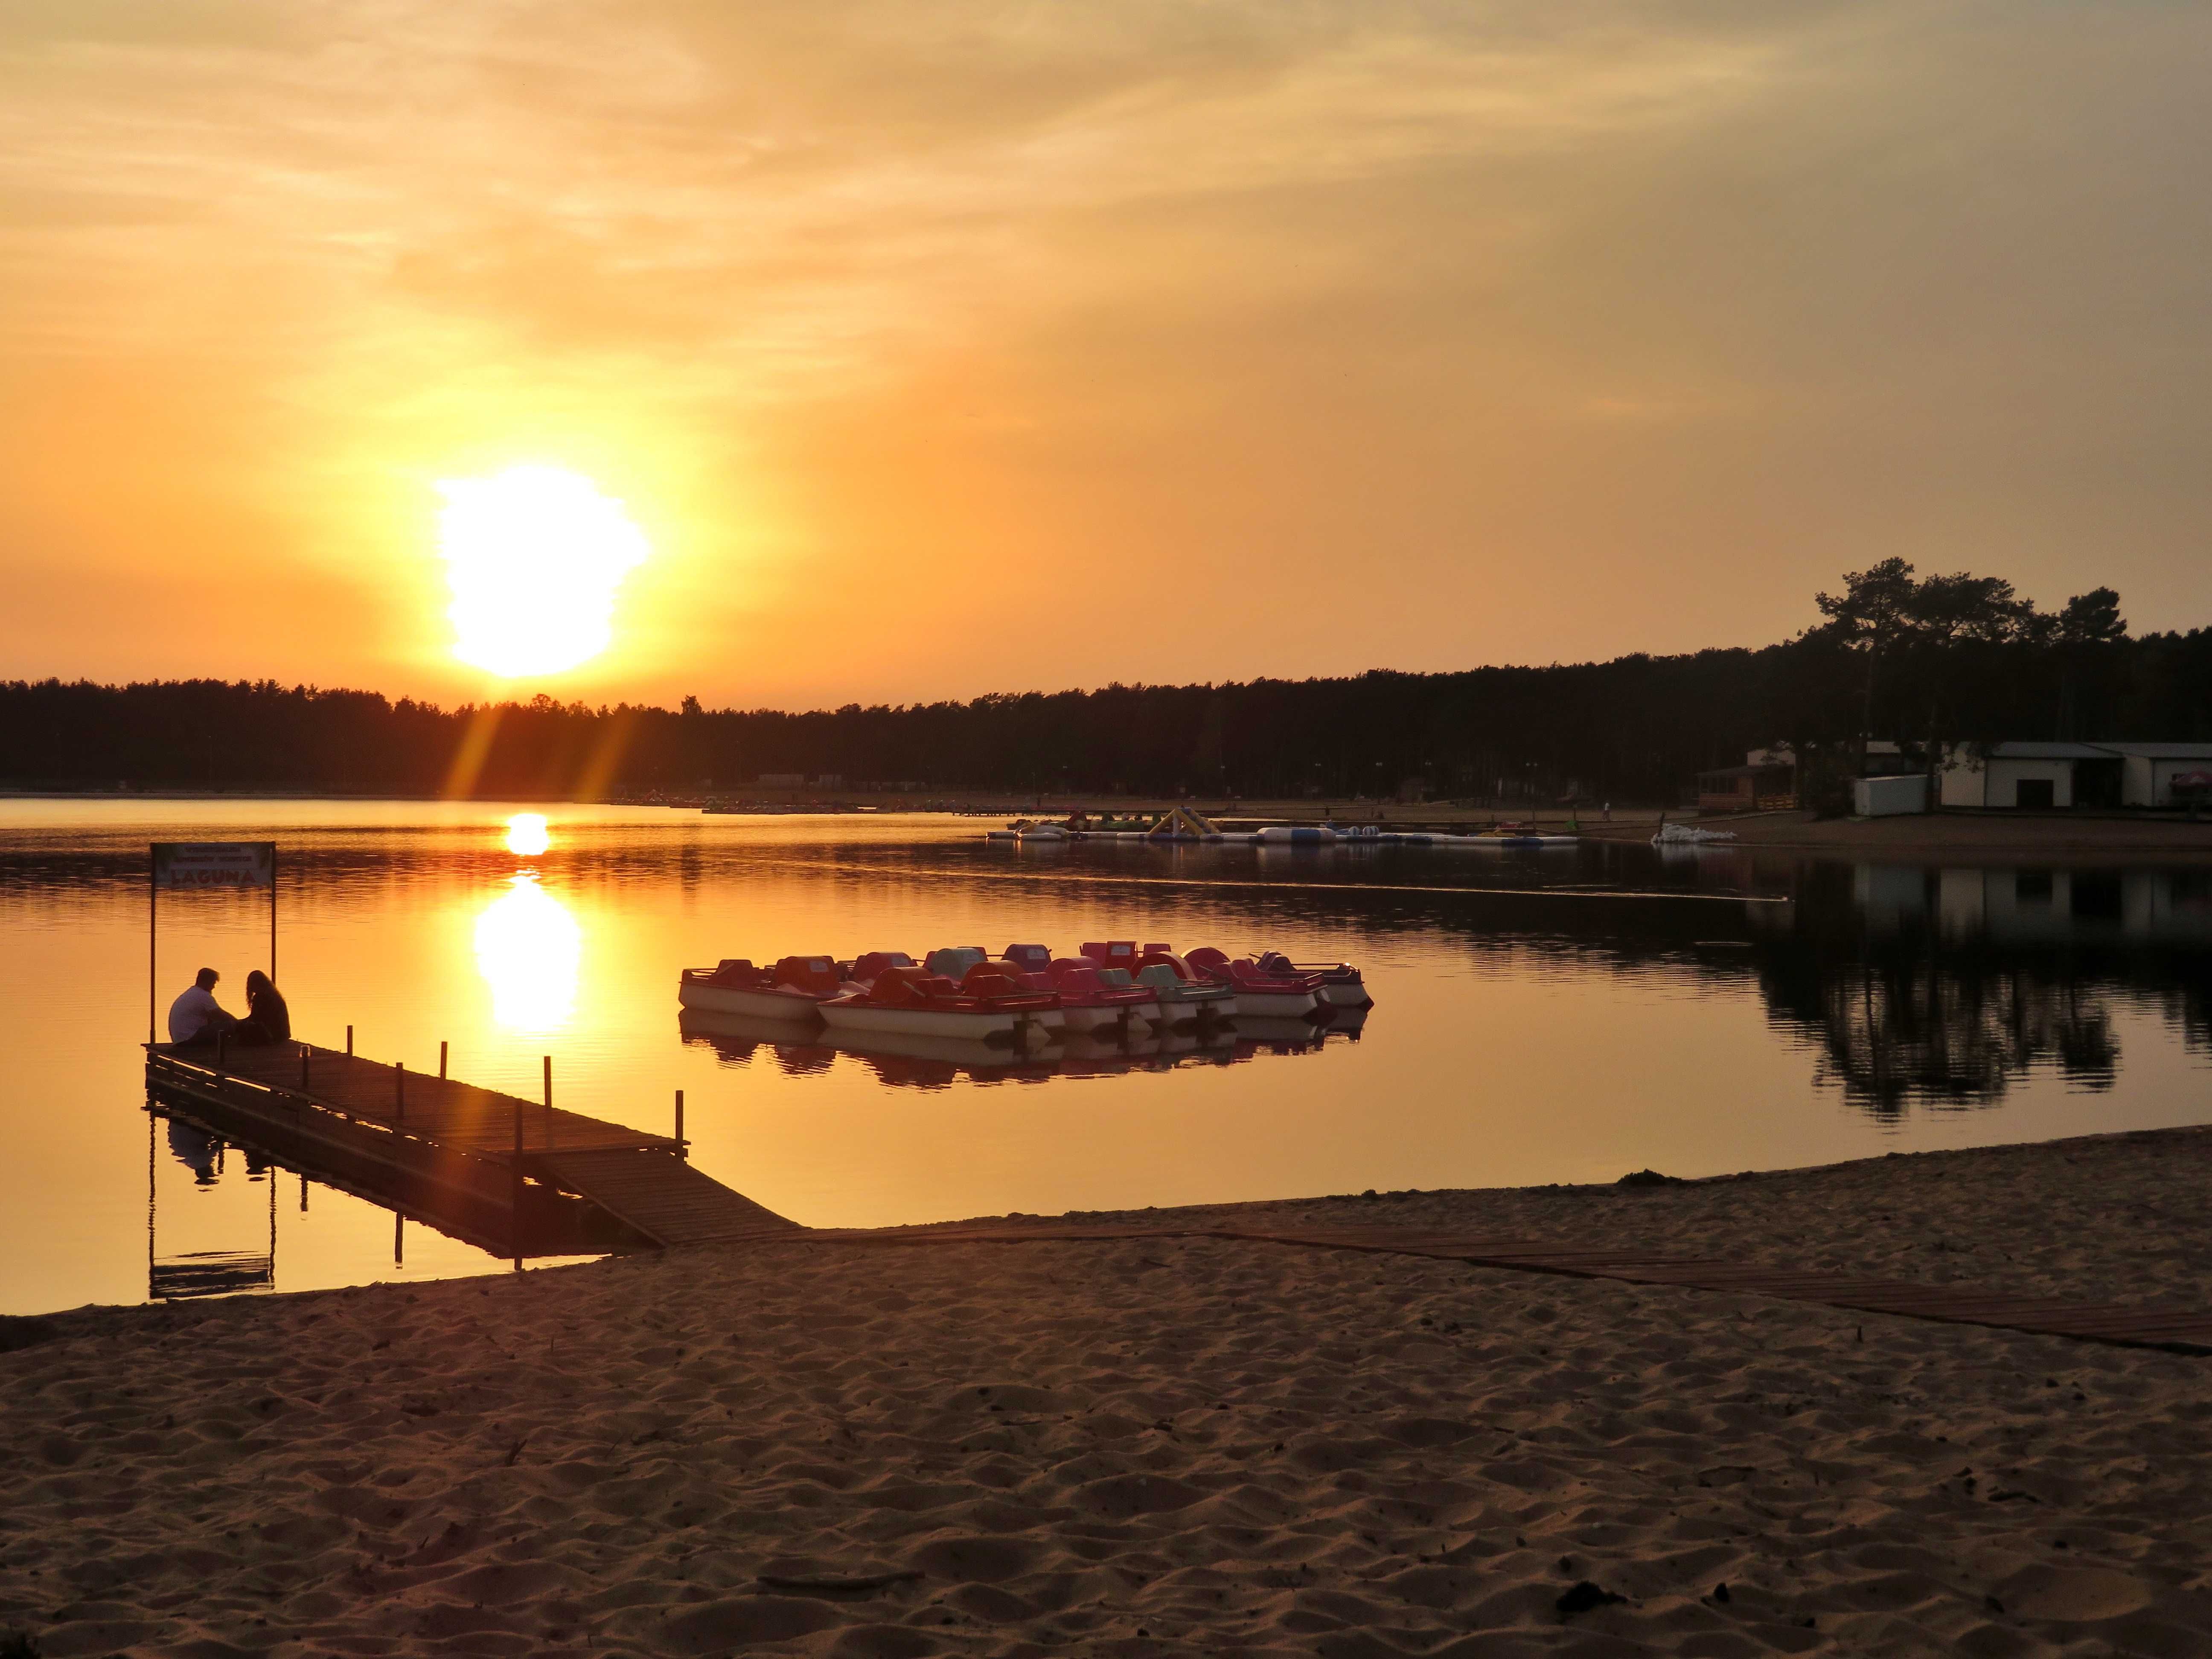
[(196, 1017)]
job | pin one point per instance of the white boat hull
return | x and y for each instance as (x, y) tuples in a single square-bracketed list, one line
[(919, 1022), (1274, 1005), (760, 1004), (1346, 994), (1140, 1014), (1177, 1009)]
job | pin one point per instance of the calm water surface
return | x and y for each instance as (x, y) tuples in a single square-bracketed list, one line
[(1555, 1017)]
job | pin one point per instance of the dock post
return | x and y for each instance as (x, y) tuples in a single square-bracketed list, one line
[(400, 1089), (222, 1046), (442, 1062), (679, 1123), (548, 1102), (303, 1068), (349, 1039), (518, 1185)]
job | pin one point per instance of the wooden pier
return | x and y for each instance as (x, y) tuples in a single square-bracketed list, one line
[(523, 1177)]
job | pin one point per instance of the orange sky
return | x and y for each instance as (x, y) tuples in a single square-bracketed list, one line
[(950, 348)]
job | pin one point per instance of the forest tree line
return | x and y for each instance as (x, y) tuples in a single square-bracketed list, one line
[(1951, 658)]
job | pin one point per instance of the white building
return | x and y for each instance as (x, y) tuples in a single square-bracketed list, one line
[(2041, 774)]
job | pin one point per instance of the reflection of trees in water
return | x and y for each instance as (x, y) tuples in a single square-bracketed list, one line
[(1900, 1030), (2189, 1005), (1907, 1016)]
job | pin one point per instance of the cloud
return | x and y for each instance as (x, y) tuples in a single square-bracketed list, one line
[(1576, 328)]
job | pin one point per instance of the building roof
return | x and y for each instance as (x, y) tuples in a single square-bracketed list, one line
[(2049, 751), (2163, 750), (2098, 750)]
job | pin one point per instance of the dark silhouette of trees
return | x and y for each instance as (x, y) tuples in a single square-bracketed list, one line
[(1955, 657)]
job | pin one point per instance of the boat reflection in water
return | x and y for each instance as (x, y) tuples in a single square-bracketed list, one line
[(934, 1062)]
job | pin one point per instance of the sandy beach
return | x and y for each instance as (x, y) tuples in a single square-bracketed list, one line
[(1161, 1445)]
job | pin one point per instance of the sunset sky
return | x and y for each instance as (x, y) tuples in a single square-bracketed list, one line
[(939, 349)]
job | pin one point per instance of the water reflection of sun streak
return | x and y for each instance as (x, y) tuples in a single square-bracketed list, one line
[(529, 949)]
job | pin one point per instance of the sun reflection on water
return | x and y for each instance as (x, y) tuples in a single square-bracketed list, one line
[(529, 949)]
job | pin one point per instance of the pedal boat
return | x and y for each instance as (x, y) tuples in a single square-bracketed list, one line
[(792, 989), (913, 1001), (1102, 999), (963, 963), (1183, 992), (1259, 991), (1341, 985)]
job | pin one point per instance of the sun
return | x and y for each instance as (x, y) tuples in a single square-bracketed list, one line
[(535, 556)]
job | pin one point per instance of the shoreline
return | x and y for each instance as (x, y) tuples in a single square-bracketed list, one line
[(1511, 1212), (1154, 1446), (2008, 834)]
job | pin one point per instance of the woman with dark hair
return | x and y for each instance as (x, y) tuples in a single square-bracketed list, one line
[(267, 1018)]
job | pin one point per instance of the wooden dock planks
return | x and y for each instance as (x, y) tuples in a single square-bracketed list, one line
[(461, 1115), (665, 1198), (465, 1137)]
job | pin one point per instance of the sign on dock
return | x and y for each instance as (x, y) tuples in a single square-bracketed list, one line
[(215, 863), (202, 864)]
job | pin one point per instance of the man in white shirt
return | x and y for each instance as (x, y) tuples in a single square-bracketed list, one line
[(196, 1015)]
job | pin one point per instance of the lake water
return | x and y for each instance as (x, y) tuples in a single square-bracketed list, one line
[(1543, 1016)]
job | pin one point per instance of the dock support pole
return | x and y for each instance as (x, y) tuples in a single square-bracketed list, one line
[(442, 1062), (400, 1089), (303, 1068), (548, 1102), (518, 1186), (680, 1150), (349, 1039)]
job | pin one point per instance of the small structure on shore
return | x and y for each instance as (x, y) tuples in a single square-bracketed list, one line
[(1765, 782)]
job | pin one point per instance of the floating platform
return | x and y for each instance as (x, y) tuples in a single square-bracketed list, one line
[(516, 1175)]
